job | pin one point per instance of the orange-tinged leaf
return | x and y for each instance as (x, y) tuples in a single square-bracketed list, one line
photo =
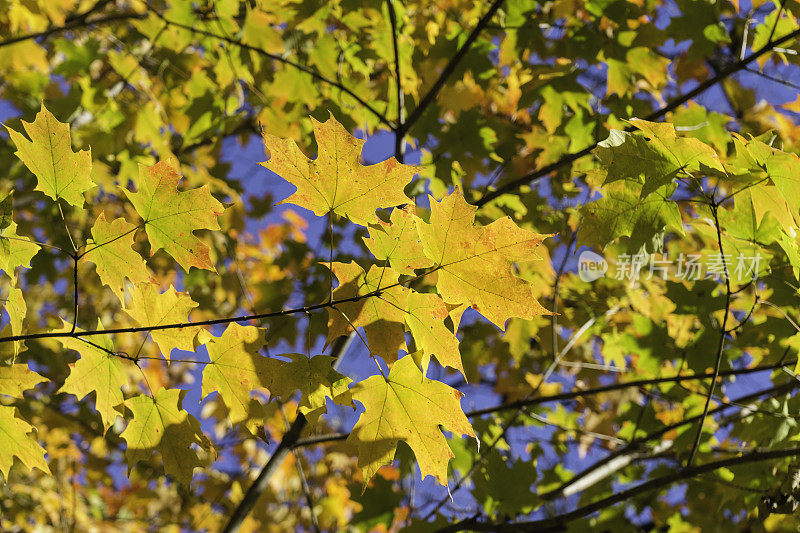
[(336, 181), (476, 263), (17, 443), (398, 242), (150, 308), (159, 424), (111, 250), (61, 172), (406, 406), (171, 216)]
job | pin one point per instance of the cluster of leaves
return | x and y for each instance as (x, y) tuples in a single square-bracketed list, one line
[(120, 307)]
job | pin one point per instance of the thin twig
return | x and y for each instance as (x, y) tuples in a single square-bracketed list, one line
[(722, 334)]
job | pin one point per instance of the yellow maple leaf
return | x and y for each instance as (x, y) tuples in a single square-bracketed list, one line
[(406, 406), (476, 263), (336, 181), (61, 172)]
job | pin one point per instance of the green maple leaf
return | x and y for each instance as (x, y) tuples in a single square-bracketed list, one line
[(61, 172), (398, 242), (476, 263), (159, 424), (336, 181), (236, 369), (17, 443), (656, 160), (316, 379), (171, 217), (15, 251), (149, 307), (623, 212), (111, 250), (14, 379), (96, 371), (406, 406)]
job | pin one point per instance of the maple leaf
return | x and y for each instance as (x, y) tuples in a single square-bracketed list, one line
[(382, 318), (425, 315), (336, 181), (96, 371), (15, 251), (236, 369), (17, 443), (16, 308), (656, 161), (406, 406), (317, 380), (783, 169), (398, 242), (160, 424), (15, 379), (150, 308), (623, 212), (171, 217), (475, 264), (111, 250), (61, 172)]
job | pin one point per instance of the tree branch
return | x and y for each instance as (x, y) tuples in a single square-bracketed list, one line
[(635, 445), (451, 65), (302, 68), (399, 145), (79, 21), (288, 443), (723, 331), (556, 523), (707, 84), (211, 322)]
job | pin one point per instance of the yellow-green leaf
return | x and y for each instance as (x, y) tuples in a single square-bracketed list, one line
[(15, 251), (159, 424), (150, 308), (111, 250), (171, 216), (382, 318), (336, 181), (61, 172), (406, 406), (16, 308), (425, 315), (17, 443), (15, 379), (317, 380), (398, 242), (98, 372), (236, 369)]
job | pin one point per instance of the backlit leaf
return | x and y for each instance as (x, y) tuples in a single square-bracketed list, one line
[(406, 406), (48, 153)]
